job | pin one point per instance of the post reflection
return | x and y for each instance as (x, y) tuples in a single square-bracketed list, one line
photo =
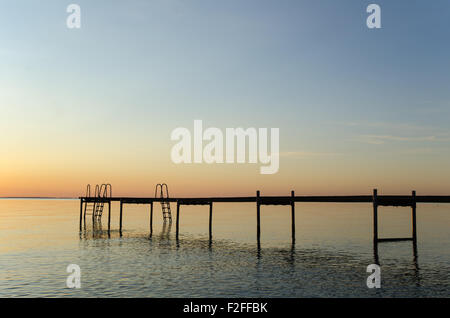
[(415, 260)]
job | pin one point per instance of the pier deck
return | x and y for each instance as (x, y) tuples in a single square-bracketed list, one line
[(375, 199), (397, 200)]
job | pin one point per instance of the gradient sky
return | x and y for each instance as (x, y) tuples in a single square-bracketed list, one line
[(357, 108)]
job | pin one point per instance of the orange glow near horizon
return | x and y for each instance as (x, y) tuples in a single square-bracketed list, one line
[(306, 177)]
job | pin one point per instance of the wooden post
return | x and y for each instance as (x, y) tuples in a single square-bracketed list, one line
[(84, 213), (151, 218), (293, 216), (81, 212), (178, 219), (258, 217), (120, 226), (210, 220), (375, 215), (414, 220), (375, 253), (109, 216)]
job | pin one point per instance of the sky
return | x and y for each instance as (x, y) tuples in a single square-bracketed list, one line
[(357, 108)]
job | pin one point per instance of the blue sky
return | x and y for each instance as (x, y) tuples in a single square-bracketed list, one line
[(138, 69)]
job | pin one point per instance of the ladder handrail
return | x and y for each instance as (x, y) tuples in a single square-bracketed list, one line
[(162, 186), (156, 189), (88, 191), (102, 191), (167, 190), (97, 191), (109, 186)]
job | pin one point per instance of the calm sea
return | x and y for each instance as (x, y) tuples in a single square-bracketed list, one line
[(40, 238)]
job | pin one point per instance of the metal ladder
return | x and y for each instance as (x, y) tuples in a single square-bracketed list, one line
[(95, 208), (88, 206), (165, 204)]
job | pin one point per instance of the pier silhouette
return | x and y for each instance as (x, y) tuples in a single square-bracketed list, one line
[(103, 196)]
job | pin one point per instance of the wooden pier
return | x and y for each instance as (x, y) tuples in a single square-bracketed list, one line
[(376, 200)]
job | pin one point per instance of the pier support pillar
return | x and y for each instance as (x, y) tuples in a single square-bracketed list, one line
[(151, 218), (81, 213), (120, 225), (109, 216), (293, 216), (375, 215), (414, 220), (178, 219), (258, 218), (375, 253), (210, 220)]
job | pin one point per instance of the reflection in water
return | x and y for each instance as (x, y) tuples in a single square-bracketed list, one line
[(415, 260), (416, 263), (228, 257), (97, 230), (165, 232), (323, 266), (94, 231), (160, 266)]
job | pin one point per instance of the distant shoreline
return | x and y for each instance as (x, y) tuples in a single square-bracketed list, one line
[(41, 198)]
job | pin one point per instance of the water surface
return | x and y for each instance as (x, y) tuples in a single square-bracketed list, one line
[(40, 238)]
